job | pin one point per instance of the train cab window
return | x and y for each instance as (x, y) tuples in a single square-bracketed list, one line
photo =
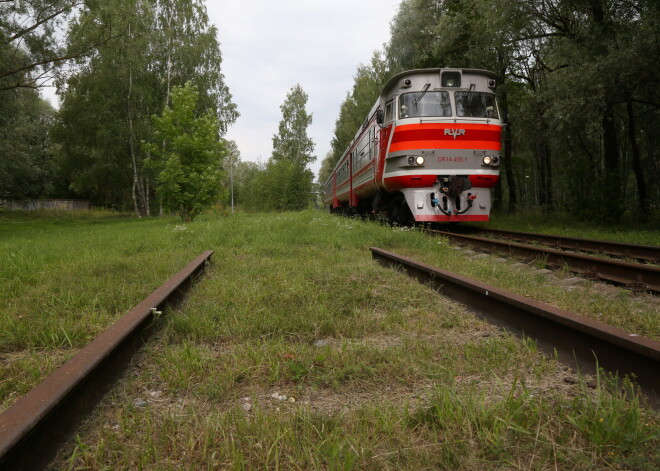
[(424, 104), (476, 105), (389, 111)]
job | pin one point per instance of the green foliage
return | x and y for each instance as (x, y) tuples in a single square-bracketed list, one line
[(291, 143), (189, 163), (246, 192), (285, 183), (109, 101), (31, 50), (27, 164), (578, 89)]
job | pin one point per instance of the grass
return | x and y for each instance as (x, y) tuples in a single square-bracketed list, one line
[(383, 372)]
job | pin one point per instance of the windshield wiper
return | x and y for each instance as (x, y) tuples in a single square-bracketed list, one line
[(422, 93)]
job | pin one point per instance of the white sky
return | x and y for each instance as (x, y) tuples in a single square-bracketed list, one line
[(270, 45)]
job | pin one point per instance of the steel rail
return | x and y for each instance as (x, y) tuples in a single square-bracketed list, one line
[(649, 253), (578, 342), (631, 274), (32, 429)]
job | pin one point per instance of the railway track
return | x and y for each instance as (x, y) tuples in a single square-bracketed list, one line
[(579, 342), (34, 427), (645, 253), (635, 275)]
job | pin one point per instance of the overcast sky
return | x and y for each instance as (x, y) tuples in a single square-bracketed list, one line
[(270, 45)]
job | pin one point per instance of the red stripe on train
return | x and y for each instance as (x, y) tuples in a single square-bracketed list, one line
[(410, 181), (442, 144), (463, 136)]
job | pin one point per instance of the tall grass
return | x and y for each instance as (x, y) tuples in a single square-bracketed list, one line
[(384, 373)]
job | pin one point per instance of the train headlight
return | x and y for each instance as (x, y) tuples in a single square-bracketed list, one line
[(491, 160), (415, 160)]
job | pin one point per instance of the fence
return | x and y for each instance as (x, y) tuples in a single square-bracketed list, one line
[(31, 205)]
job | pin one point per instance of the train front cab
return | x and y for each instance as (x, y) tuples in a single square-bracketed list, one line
[(444, 143)]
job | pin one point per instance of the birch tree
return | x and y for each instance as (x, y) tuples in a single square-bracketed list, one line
[(109, 101)]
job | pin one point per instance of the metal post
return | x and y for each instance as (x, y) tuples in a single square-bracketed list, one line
[(231, 180)]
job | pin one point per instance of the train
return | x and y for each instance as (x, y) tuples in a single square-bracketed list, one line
[(428, 151)]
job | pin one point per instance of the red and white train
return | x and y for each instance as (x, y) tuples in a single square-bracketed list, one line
[(429, 150)]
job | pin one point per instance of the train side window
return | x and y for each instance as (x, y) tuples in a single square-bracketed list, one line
[(389, 111), (363, 149)]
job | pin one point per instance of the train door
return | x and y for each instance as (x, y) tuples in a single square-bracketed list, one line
[(384, 139)]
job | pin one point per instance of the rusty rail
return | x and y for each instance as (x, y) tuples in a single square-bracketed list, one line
[(579, 342), (635, 275), (33, 428), (649, 253)]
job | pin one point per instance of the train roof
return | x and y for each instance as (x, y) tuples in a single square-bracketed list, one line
[(394, 79)]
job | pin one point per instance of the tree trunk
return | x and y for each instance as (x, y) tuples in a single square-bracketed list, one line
[(508, 168), (497, 196), (508, 142), (138, 196), (644, 202), (612, 181)]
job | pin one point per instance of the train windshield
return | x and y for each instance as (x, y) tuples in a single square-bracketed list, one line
[(476, 105), (424, 104)]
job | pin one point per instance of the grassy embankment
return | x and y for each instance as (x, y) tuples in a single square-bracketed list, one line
[(384, 372)]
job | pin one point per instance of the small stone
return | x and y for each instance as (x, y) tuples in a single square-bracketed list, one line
[(570, 380), (479, 255), (292, 399), (571, 281), (139, 403), (246, 406), (321, 343)]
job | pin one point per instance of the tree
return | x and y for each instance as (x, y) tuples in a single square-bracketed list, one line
[(27, 163), (286, 182), (109, 101), (186, 48), (246, 191), (107, 106), (578, 87), (292, 142), (30, 49), (189, 164), (230, 181)]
